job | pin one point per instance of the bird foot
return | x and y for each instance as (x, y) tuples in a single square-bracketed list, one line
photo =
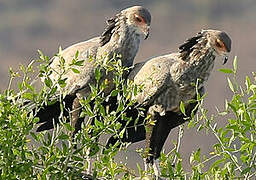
[(155, 166)]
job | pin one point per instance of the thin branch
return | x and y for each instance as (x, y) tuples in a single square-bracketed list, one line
[(223, 148), (180, 135), (251, 164)]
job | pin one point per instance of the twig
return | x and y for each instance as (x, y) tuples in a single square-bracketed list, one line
[(223, 148), (252, 163), (180, 135)]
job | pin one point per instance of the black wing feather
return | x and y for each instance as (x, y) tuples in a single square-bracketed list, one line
[(187, 47), (106, 35)]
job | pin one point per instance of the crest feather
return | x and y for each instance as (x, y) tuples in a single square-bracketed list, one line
[(187, 47), (106, 35)]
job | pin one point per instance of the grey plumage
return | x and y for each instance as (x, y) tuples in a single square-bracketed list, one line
[(121, 36), (169, 79)]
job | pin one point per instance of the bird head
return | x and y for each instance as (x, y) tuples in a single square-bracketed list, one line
[(220, 42), (139, 18)]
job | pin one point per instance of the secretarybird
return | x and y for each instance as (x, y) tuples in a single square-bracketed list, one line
[(121, 37), (167, 81)]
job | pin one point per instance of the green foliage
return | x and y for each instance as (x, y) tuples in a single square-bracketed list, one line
[(25, 154), (233, 156)]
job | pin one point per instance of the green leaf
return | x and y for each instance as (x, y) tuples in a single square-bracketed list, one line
[(28, 96), (248, 84), (231, 85), (114, 92), (244, 147), (62, 61), (98, 123), (34, 136), (97, 74), (89, 111), (41, 55), (246, 170), (121, 134), (252, 86), (139, 169), (94, 149), (29, 86), (118, 125), (197, 155), (60, 49), (75, 70), (228, 71), (63, 136), (200, 127), (53, 90), (179, 166), (170, 170), (217, 163), (235, 64), (182, 108), (102, 110), (77, 158), (82, 114), (68, 127), (48, 82), (36, 119), (62, 82), (79, 63), (120, 106), (76, 55)]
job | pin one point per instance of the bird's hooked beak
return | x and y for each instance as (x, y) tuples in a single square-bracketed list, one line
[(146, 32), (225, 59)]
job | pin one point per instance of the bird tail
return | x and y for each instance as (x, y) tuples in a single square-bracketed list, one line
[(49, 114)]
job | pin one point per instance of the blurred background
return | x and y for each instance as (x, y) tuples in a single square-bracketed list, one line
[(29, 25)]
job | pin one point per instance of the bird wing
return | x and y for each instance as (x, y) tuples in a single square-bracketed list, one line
[(77, 81), (154, 75)]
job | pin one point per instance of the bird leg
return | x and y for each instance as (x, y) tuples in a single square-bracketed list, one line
[(75, 121), (151, 162), (156, 168), (149, 157)]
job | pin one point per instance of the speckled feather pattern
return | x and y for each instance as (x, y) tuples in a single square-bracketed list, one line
[(170, 79), (119, 39), (167, 80)]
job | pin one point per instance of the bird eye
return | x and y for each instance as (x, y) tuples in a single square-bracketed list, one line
[(138, 18), (219, 43)]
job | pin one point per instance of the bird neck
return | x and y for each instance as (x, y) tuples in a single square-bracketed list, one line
[(128, 45), (198, 65), (125, 42)]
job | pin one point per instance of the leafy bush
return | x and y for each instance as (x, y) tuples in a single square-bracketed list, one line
[(25, 154), (233, 156)]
